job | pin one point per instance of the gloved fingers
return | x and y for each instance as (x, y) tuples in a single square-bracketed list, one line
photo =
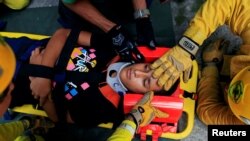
[(163, 79), (161, 69), (172, 79), (150, 113), (137, 54), (139, 57), (163, 73), (160, 114), (159, 61), (147, 98), (187, 74), (147, 120), (127, 57), (123, 44)]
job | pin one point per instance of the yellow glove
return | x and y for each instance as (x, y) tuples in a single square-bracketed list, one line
[(143, 112), (169, 67)]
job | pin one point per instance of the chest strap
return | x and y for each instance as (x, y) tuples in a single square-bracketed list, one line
[(110, 95)]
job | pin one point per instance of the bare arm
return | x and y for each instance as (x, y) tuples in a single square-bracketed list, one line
[(41, 87), (49, 57), (139, 4), (56, 44), (50, 110), (54, 47), (88, 12), (214, 13)]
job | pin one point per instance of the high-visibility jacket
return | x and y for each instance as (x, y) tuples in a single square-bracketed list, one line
[(125, 132), (214, 13), (212, 107)]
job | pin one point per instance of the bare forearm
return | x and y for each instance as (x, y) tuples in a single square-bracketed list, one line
[(56, 44), (88, 12), (49, 108), (139, 4), (84, 38), (54, 47)]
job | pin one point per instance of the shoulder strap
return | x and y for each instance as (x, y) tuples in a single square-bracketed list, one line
[(117, 100), (67, 49), (110, 95)]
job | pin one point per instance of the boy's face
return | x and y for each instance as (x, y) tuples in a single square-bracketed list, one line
[(138, 78), (5, 102)]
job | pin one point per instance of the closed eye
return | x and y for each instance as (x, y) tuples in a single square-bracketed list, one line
[(146, 83)]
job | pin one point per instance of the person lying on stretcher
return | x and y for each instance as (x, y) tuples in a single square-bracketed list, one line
[(86, 73), (14, 86), (78, 98)]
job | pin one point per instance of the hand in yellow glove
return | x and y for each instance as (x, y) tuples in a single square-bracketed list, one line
[(143, 112), (169, 67)]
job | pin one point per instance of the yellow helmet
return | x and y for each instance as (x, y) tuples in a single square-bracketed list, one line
[(7, 65), (239, 95)]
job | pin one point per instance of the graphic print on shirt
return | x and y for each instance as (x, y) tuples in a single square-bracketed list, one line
[(81, 60)]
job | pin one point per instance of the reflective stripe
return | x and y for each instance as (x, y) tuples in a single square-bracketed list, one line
[(127, 127)]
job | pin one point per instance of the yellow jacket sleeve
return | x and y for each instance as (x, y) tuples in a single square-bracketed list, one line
[(124, 132), (11, 130), (211, 106), (16, 4), (214, 13)]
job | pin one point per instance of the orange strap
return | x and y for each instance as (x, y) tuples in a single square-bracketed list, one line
[(110, 95)]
